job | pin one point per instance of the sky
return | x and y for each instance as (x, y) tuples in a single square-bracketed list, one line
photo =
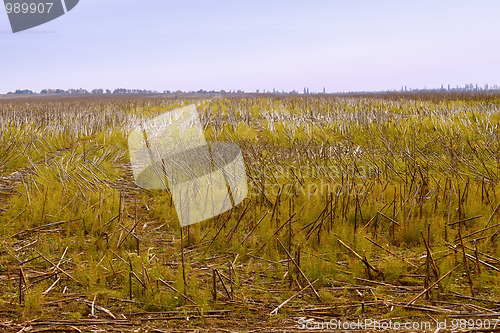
[(287, 45)]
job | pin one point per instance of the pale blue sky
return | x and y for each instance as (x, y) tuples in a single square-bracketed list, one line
[(198, 44)]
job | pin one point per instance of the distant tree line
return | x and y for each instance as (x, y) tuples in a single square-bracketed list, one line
[(467, 87), (83, 91)]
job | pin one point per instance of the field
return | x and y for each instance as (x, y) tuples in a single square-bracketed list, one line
[(369, 206)]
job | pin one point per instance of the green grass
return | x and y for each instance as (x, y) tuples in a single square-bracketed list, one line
[(326, 164)]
